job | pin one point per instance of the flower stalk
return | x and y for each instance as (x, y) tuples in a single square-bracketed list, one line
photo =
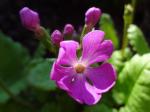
[(83, 33), (128, 17), (42, 35)]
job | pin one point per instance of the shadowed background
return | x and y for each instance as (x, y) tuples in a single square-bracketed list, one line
[(56, 13)]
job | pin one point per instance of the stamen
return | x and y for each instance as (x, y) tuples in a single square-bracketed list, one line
[(79, 68)]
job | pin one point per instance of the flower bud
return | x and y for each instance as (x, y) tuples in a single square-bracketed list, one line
[(56, 37), (92, 16), (68, 30), (29, 18)]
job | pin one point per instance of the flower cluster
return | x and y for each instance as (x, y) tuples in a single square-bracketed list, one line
[(57, 36), (74, 74)]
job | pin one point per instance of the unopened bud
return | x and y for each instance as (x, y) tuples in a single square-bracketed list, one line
[(92, 16), (68, 30), (56, 37), (29, 18)]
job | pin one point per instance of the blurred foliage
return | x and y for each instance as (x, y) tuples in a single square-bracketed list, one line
[(99, 108), (39, 74), (118, 60), (13, 60), (107, 25)]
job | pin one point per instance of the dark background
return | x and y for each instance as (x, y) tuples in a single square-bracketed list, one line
[(56, 13)]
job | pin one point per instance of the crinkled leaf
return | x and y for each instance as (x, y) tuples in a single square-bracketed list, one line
[(107, 25), (13, 59), (39, 75), (133, 85), (137, 40)]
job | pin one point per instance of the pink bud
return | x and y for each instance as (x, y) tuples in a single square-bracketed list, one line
[(56, 37), (92, 16), (68, 29), (29, 18)]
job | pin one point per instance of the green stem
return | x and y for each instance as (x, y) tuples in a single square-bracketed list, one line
[(83, 33), (43, 35), (17, 99), (133, 3), (128, 19), (40, 51)]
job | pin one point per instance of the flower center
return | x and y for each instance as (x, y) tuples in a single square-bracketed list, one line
[(79, 68)]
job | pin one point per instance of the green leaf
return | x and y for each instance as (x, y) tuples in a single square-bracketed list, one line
[(16, 88), (12, 106), (60, 102), (13, 60), (51, 107), (107, 25), (99, 108), (118, 60), (137, 40), (39, 75), (133, 85)]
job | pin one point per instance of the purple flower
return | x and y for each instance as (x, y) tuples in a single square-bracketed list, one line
[(56, 37), (92, 16), (29, 18), (68, 29), (85, 83)]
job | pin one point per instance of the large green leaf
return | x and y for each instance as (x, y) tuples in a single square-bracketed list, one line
[(13, 60), (137, 40), (107, 25), (133, 85), (39, 75)]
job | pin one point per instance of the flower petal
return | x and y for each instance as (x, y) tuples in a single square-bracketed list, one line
[(80, 90), (59, 71), (94, 50), (103, 77), (67, 52)]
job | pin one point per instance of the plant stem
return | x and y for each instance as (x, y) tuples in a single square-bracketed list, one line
[(128, 19), (133, 3), (17, 99), (82, 33), (42, 34)]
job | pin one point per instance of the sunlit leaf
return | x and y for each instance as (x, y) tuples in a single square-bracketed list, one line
[(133, 85), (137, 40)]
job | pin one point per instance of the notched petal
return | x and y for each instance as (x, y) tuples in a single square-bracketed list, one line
[(67, 52), (103, 77)]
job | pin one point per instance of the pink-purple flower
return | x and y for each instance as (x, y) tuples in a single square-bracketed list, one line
[(56, 37), (68, 29), (76, 76), (92, 16), (29, 18)]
